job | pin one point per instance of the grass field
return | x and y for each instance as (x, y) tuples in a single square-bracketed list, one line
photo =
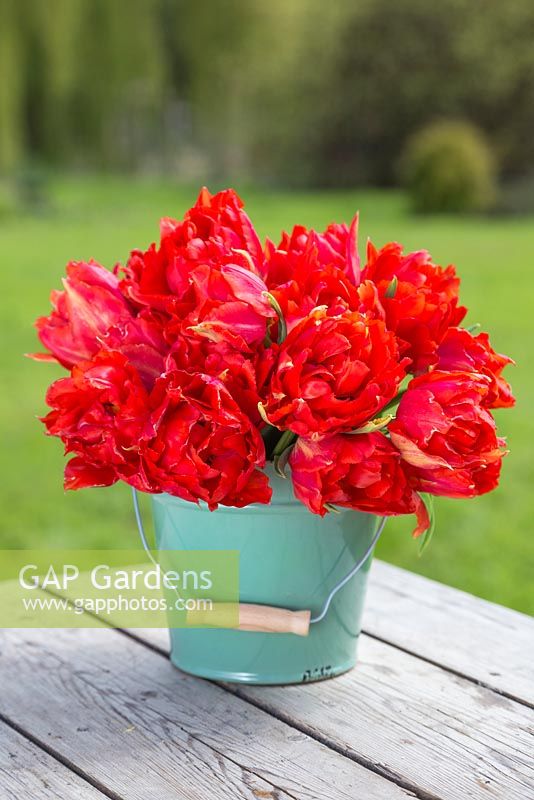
[(485, 546)]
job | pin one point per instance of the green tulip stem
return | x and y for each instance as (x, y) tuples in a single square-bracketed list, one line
[(286, 439)]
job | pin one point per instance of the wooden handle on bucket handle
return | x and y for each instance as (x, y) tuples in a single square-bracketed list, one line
[(252, 617)]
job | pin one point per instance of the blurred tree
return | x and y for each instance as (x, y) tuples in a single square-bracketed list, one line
[(215, 40), (50, 35), (292, 83), (396, 67), (120, 78), (12, 129), (251, 71), (497, 83)]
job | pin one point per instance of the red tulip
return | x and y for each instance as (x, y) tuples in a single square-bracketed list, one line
[(340, 243), (361, 471), (91, 314), (101, 413), (205, 447), (336, 247), (446, 436), (220, 218), (206, 273), (83, 313), (231, 306), (141, 340), (460, 351), (214, 229), (420, 299), (332, 374)]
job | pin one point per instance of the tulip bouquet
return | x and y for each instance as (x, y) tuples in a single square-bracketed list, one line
[(209, 354)]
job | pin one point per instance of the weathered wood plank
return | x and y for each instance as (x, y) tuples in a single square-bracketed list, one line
[(487, 642), (26, 771), (131, 721), (452, 737)]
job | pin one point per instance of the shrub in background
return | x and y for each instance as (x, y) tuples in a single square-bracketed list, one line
[(448, 167)]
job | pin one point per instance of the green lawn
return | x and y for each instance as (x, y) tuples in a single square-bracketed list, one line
[(484, 546)]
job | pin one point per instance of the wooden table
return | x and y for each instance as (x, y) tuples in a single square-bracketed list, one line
[(439, 706)]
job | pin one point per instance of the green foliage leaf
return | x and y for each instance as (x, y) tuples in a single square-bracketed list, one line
[(332, 508), (280, 461), (287, 439), (282, 451), (424, 541)]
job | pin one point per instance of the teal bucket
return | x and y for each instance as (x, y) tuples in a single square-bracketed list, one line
[(288, 558)]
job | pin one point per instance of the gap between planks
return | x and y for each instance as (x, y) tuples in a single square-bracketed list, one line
[(65, 762), (456, 672), (480, 641)]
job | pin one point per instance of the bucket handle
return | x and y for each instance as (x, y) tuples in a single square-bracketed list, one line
[(356, 568), (255, 617)]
